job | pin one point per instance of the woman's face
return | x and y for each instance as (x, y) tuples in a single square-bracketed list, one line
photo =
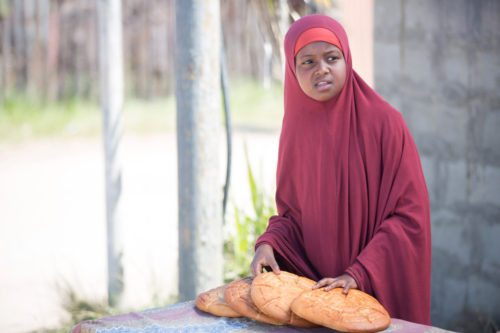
[(320, 70)]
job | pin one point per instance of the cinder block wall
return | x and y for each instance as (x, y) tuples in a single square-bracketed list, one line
[(438, 62)]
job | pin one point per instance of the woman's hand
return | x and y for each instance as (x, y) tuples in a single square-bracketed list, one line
[(344, 281), (264, 256)]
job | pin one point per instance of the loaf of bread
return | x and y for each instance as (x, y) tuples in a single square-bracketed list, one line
[(213, 302), (354, 312), (237, 295), (273, 294)]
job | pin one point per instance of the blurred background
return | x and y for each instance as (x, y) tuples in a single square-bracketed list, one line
[(437, 61)]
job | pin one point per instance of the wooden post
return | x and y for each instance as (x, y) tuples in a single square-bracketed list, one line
[(111, 77), (198, 126)]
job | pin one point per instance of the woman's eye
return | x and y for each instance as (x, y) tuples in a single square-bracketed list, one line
[(307, 62), (333, 58)]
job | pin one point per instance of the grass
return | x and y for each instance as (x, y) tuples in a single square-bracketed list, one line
[(252, 106), (79, 308), (23, 118), (27, 118)]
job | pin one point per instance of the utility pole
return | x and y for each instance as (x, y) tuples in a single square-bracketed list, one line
[(198, 126), (111, 80)]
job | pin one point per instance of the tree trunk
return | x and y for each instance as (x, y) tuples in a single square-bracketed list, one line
[(19, 45), (111, 77), (7, 75), (198, 126), (53, 47)]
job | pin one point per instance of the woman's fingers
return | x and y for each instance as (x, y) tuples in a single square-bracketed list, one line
[(344, 281), (274, 266), (258, 265), (323, 282), (346, 288), (349, 283), (335, 284), (256, 268), (264, 256)]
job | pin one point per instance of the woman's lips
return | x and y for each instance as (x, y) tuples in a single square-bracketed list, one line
[(323, 85)]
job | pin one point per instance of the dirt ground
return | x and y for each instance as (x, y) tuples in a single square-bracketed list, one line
[(52, 220)]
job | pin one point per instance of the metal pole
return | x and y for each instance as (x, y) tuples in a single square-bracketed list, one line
[(111, 82), (227, 125), (198, 126)]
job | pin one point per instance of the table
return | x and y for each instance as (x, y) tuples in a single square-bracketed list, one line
[(184, 317)]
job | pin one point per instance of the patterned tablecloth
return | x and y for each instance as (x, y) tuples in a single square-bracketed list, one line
[(184, 317)]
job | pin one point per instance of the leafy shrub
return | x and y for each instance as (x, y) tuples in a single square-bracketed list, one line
[(239, 246)]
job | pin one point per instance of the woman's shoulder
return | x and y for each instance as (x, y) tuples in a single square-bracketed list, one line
[(380, 114), (384, 124), (372, 108)]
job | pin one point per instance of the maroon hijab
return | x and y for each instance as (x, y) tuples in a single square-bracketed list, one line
[(351, 195)]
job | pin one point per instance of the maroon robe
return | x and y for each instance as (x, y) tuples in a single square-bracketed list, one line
[(351, 194)]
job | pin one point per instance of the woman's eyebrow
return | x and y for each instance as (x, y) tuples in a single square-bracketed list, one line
[(305, 56), (332, 51)]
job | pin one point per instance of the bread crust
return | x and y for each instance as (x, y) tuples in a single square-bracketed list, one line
[(212, 301), (273, 295), (237, 296), (354, 312)]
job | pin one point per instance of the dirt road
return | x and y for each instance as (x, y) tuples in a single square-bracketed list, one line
[(52, 220)]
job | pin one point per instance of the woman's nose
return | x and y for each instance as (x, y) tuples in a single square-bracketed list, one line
[(322, 67)]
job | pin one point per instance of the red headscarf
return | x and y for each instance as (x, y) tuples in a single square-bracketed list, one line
[(351, 194)]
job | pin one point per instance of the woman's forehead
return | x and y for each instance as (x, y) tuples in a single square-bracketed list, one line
[(316, 48), (316, 35)]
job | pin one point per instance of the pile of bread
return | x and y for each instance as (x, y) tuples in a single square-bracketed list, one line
[(288, 299)]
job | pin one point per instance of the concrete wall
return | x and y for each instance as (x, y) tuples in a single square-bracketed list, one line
[(438, 61), (356, 17)]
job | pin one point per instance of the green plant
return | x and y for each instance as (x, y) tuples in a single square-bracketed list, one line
[(239, 246), (254, 107), (25, 117), (79, 308)]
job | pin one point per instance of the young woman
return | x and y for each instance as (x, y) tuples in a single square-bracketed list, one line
[(353, 208)]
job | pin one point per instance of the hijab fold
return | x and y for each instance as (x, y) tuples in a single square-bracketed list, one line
[(351, 195)]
